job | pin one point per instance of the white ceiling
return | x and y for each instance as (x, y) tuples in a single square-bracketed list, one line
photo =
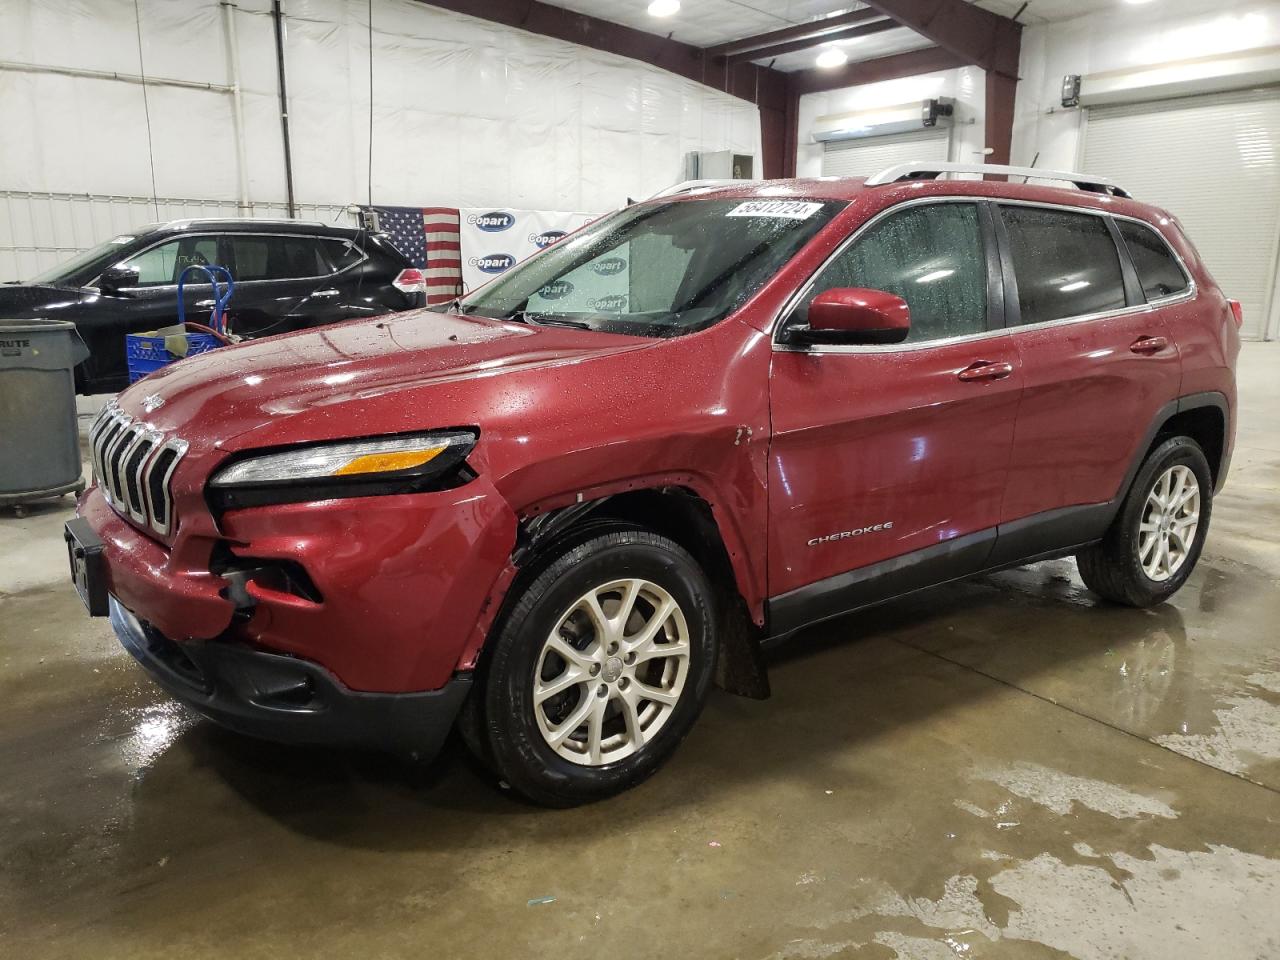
[(858, 48), (705, 23)]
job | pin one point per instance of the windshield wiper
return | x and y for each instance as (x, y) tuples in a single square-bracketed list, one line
[(547, 320)]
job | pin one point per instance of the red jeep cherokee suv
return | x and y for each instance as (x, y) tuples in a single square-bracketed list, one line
[(553, 512)]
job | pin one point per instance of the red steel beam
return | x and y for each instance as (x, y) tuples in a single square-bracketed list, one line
[(802, 31), (1001, 91), (980, 37), (792, 46)]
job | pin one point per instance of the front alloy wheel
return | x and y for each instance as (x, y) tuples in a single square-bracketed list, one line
[(600, 666), (611, 672)]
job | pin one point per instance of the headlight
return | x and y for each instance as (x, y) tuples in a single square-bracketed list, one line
[(400, 464)]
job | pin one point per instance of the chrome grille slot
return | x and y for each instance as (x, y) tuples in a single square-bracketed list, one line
[(131, 470), (134, 466), (156, 477), (111, 457)]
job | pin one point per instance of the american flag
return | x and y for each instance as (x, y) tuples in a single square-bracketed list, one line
[(428, 236)]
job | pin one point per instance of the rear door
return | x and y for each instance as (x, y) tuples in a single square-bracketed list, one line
[(888, 463), (275, 275), (1098, 363)]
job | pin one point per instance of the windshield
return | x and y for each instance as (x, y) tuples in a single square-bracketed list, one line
[(658, 270), (93, 261)]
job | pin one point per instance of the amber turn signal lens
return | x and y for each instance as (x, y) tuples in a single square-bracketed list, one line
[(388, 462)]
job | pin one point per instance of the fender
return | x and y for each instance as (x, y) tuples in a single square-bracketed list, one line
[(746, 576)]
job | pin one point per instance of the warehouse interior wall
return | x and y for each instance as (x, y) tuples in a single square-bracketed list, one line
[(966, 86), (1118, 39), (465, 113)]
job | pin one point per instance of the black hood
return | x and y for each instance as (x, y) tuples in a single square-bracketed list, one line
[(26, 302)]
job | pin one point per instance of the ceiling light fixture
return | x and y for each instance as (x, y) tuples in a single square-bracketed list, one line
[(664, 8), (1136, 3), (832, 57)]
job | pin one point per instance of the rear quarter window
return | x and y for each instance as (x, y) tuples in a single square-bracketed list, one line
[(1158, 269)]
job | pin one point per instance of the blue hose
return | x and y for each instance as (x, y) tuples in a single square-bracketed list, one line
[(218, 315)]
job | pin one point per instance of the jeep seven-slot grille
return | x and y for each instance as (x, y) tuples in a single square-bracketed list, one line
[(134, 464)]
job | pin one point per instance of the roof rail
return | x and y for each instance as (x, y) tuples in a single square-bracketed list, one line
[(688, 186), (187, 221), (926, 170)]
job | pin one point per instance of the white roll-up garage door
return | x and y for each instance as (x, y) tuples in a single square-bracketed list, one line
[(868, 156), (1214, 162)]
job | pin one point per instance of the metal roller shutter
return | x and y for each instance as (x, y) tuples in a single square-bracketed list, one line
[(1214, 162), (863, 158)]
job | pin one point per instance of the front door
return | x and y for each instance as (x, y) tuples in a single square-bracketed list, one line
[(888, 463), (151, 304)]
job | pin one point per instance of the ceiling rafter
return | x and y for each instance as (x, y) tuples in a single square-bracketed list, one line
[(793, 46), (980, 37), (802, 31)]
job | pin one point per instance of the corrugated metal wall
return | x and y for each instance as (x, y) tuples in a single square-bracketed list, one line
[(1214, 162)]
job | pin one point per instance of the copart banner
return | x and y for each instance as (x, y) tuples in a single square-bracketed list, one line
[(493, 241)]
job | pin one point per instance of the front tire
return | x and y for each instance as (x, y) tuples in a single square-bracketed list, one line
[(1153, 544), (599, 669)]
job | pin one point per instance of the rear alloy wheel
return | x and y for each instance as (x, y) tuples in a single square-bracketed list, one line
[(1170, 519), (600, 667), (1154, 542)]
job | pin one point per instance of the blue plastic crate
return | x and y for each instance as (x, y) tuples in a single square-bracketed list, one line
[(146, 354)]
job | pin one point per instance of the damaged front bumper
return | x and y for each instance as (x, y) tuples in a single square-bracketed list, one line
[(286, 699)]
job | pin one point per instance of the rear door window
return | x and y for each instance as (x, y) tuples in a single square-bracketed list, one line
[(1158, 269), (1066, 263), (258, 257), (932, 256)]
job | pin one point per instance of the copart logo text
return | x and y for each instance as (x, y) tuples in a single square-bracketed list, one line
[(493, 222), (493, 262)]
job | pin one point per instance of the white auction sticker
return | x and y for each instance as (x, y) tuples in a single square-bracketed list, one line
[(786, 209)]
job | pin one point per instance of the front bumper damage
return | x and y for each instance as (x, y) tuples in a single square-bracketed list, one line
[(285, 699), (371, 654)]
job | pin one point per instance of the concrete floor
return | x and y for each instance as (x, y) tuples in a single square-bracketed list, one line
[(999, 768)]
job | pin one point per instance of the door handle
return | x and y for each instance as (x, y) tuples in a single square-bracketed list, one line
[(325, 293), (986, 370), (1148, 344)]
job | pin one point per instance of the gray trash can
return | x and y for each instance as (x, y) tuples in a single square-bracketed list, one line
[(39, 435)]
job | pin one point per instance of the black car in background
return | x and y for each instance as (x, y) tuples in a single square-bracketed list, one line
[(289, 275)]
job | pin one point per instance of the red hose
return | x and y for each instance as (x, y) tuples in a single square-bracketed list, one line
[(201, 328)]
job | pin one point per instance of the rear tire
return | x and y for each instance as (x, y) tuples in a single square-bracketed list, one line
[(1154, 542), (598, 670)]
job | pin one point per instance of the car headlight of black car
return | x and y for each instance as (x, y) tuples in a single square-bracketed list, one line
[(406, 463)]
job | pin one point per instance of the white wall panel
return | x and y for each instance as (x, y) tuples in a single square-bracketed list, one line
[(1122, 38), (466, 112), (966, 86)]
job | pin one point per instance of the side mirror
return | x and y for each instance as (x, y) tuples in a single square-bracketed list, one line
[(117, 278), (853, 315)]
